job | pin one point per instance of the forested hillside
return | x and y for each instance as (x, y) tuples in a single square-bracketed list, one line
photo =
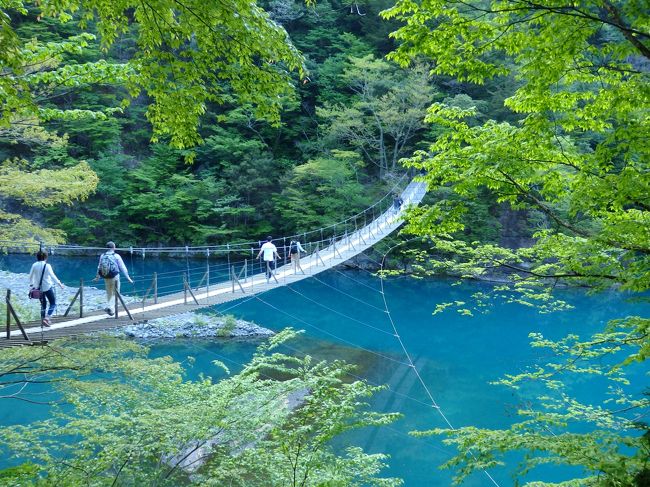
[(334, 147), (185, 121)]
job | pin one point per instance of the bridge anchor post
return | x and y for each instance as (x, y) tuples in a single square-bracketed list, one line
[(79, 294), (186, 289), (318, 257), (11, 312), (236, 277), (118, 296), (154, 286)]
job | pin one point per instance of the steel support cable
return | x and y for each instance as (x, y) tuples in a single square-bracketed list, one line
[(195, 346), (300, 353), (349, 295), (349, 374), (408, 355), (338, 312), (322, 330), (194, 271), (362, 269)]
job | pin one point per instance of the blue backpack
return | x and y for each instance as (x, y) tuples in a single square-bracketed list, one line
[(108, 267)]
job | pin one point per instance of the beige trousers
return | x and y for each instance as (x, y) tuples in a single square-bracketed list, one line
[(112, 285), (295, 260)]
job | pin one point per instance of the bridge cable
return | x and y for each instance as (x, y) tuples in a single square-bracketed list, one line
[(330, 333), (338, 312), (301, 353), (238, 247), (348, 295), (408, 355)]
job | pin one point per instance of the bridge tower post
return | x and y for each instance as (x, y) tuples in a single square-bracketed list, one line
[(207, 273), (9, 313), (252, 269)]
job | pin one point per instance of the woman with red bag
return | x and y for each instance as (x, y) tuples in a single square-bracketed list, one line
[(41, 282)]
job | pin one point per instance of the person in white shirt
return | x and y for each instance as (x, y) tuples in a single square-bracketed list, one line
[(43, 277), (294, 251), (109, 267), (270, 252)]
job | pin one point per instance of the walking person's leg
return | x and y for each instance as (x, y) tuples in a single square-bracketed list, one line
[(43, 306), (110, 295), (51, 297)]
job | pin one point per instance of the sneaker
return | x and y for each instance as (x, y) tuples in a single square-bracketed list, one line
[(109, 311), (45, 322)]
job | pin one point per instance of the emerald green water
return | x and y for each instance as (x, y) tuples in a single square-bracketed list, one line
[(456, 356)]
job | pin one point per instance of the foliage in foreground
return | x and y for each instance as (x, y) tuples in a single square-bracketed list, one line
[(184, 56), (120, 418), (188, 54), (577, 164)]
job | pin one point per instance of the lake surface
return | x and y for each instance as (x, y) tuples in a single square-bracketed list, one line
[(343, 315)]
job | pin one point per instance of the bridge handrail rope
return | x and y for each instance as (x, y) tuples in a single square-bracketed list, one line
[(326, 247), (236, 247), (199, 271), (330, 241)]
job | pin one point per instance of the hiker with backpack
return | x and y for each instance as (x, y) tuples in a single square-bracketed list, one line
[(109, 267), (41, 285), (294, 251), (397, 202)]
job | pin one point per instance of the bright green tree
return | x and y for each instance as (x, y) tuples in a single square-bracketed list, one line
[(578, 160), (25, 187), (121, 418), (386, 113), (322, 191), (188, 53)]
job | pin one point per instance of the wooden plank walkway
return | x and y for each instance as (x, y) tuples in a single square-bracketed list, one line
[(319, 261)]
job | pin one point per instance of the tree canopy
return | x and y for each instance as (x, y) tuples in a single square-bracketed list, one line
[(575, 160), (120, 417), (188, 53)]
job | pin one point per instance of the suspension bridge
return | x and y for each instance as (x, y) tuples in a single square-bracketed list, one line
[(235, 279)]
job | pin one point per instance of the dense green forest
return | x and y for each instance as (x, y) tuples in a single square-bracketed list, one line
[(179, 122), (334, 148)]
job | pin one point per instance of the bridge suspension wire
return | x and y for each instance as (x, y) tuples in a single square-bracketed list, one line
[(408, 355), (365, 303), (223, 312), (195, 346), (322, 330), (356, 281), (346, 316), (227, 248), (240, 302)]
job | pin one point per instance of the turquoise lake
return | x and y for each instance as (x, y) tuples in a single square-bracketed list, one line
[(342, 313)]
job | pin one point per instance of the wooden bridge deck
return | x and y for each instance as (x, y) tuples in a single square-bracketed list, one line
[(336, 253)]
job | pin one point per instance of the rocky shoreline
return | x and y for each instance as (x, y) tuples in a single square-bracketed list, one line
[(194, 325)]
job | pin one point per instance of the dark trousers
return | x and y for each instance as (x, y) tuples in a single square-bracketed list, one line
[(51, 298)]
